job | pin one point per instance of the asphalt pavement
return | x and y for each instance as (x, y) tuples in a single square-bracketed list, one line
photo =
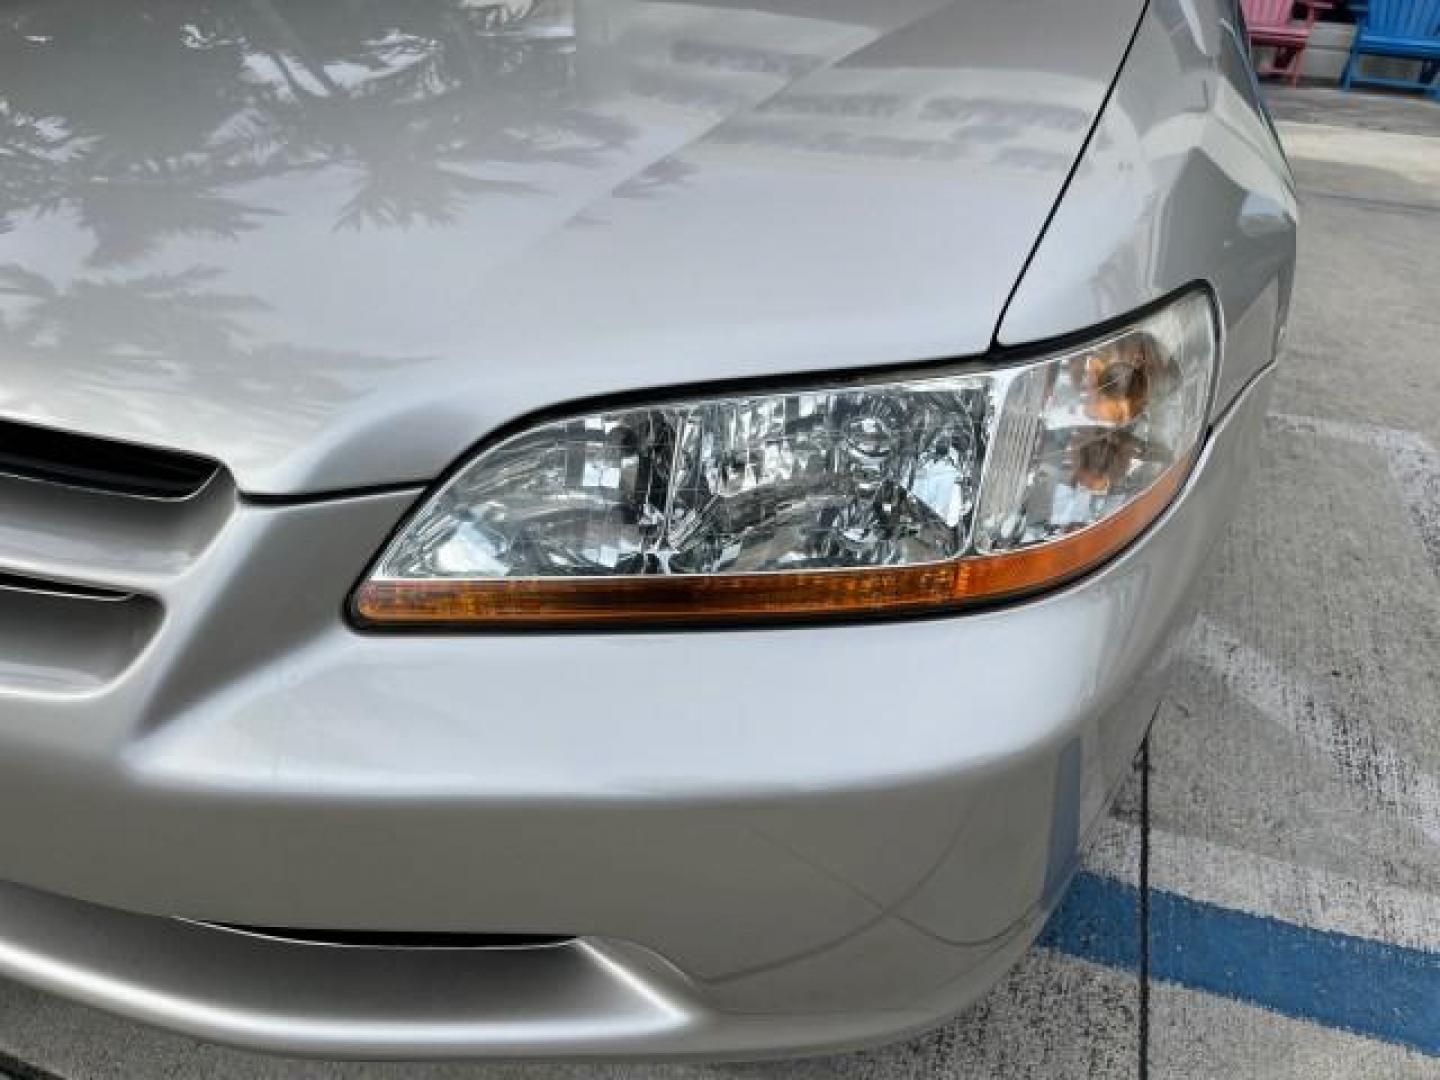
[(1286, 816)]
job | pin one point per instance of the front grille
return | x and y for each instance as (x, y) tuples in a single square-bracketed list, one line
[(94, 536), (58, 638), (61, 457), (44, 587)]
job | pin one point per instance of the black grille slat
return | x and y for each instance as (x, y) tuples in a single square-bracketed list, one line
[(46, 587), (61, 457)]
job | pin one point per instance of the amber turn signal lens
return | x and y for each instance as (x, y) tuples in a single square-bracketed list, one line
[(1117, 380), (744, 598)]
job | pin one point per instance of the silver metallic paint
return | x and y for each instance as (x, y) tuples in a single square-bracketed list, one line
[(1184, 180), (713, 159), (880, 893), (769, 840)]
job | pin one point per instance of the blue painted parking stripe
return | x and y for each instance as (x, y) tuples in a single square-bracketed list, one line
[(1097, 921), (1362, 986)]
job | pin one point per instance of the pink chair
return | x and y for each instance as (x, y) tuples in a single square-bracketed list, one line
[(1271, 26)]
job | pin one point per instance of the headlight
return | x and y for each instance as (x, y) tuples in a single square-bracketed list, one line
[(884, 495)]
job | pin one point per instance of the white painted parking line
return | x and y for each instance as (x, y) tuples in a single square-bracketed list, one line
[(1309, 714), (1410, 458)]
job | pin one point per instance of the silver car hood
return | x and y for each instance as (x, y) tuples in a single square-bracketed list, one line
[(333, 244)]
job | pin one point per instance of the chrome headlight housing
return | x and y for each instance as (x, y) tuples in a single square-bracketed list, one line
[(885, 494)]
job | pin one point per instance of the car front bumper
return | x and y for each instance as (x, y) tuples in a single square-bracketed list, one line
[(760, 842)]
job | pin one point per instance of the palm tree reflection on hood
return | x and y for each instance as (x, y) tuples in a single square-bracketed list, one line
[(418, 98), (460, 86), (169, 121), (179, 340), (134, 167), (151, 313)]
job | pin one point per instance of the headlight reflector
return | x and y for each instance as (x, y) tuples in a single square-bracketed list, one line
[(882, 495)]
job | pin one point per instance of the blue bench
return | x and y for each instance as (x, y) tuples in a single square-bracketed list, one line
[(1402, 29)]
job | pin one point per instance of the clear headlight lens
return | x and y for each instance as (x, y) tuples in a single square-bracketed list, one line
[(884, 495)]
